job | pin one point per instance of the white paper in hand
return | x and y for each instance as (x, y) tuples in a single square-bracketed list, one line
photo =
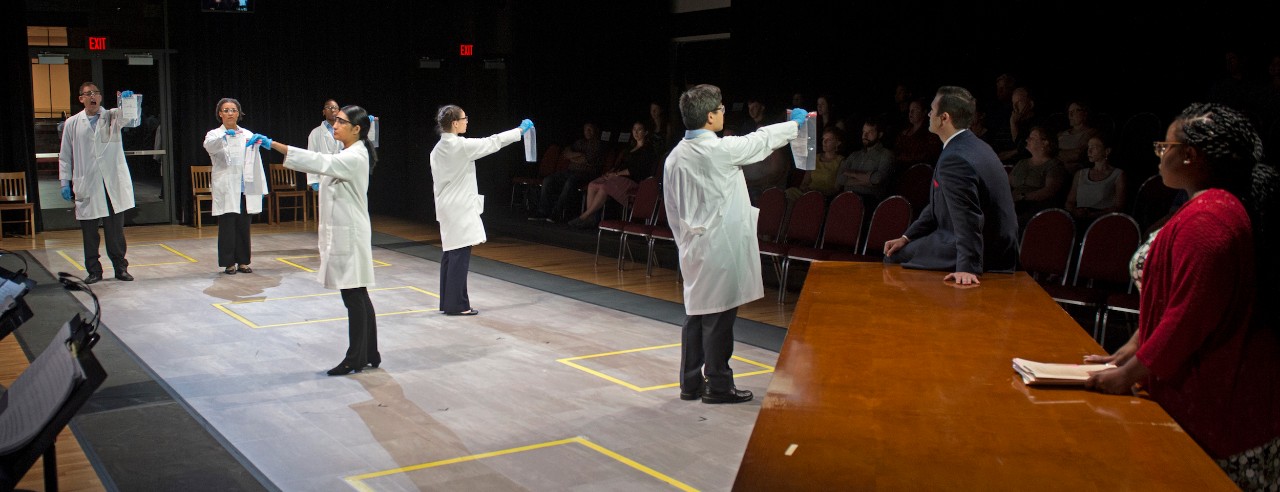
[(803, 147), (129, 107), (531, 145)]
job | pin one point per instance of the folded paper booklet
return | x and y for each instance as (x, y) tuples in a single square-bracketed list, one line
[(1048, 373)]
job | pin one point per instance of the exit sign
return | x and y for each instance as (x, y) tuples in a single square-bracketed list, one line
[(466, 49), (97, 43)]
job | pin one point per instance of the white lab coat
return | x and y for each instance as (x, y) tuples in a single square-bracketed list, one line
[(458, 201), (93, 160), (321, 140), (345, 234), (712, 219), (228, 178)]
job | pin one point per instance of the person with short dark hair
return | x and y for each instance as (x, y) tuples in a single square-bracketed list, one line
[(969, 227), (321, 139), (239, 183), (714, 226), (93, 172)]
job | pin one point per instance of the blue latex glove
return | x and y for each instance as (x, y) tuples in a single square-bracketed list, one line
[(126, 94), (66, 192), (259, 138), (231, 133), (525, 125), (315, 186), (798, 115)]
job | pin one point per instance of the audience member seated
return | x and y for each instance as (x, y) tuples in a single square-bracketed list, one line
[(998, 113), (979, 126), (772, 172), (617, 183), (1039, 180), (823, 177), (916, 144), (585, 159), (661, 127), (1074, 141), (827, 116), (755, 117), (1020, 122), (1098, 190), (868, 171)]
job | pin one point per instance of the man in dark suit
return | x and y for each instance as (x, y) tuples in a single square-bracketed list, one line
[(969, 226)]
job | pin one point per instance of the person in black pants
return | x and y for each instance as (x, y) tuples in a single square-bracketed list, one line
[(239, 184)]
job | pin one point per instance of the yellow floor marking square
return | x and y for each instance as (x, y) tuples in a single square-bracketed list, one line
[(228, 307), (357, 481), (134, 248), (569, 361), (285, 260)]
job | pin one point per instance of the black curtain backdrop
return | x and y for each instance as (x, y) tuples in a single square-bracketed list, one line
[(564, 64), (17, 139)]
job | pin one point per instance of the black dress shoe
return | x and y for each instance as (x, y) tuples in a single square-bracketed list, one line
[(734, 395), (343, 369), (124, 275), (93, 278), (695, 394), (375, 360)]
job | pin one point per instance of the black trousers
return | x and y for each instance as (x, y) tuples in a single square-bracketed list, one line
[(454, 265), (556, 189), (233, 237), (113, 228), (362, 328), (705, 348)]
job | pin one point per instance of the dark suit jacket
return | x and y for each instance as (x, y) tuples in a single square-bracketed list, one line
[(969, 224)]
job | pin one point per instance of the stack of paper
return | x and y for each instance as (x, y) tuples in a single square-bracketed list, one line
[(1047, 373)]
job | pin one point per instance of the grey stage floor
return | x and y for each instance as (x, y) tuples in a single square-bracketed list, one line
[(539, 392)]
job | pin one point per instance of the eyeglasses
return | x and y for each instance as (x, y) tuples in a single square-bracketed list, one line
[(331, 108), (91, 93), (229, 110), (719, 109), (462, 118), (1162, 147), (337, 119)]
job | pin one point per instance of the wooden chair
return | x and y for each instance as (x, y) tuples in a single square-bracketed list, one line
[(284, 184), (201, 191), (13, 196)]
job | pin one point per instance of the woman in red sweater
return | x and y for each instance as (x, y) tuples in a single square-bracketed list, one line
[(1207, 348)]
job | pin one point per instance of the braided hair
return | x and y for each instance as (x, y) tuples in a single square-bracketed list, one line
[(1234, 154), (359, 117)]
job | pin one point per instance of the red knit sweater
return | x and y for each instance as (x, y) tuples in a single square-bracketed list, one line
[(1213, 368)]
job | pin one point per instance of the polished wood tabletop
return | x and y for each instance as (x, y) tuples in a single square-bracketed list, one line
[(891, 379)]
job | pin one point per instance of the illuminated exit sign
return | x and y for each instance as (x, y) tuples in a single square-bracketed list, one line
[(466, 49), (97, 43)]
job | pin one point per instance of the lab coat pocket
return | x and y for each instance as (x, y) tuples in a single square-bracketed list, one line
[(340, 240)]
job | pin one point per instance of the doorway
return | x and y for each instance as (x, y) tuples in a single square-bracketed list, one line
[(57, 72)]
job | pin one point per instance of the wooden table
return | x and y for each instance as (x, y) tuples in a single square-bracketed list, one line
[(890, 379)]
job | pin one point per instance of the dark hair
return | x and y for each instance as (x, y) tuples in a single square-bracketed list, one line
[(85, 84), (1050, 139), (359, 117), (645, 125), (445, 116), (1233, 152), (959, 103), (696, 103), (239, 110), (325, 104)]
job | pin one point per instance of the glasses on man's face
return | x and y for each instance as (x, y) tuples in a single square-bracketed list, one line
[(330, 108), (91, 93), (1162, 147), (337, 119), (229, 110), (720, 109)]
